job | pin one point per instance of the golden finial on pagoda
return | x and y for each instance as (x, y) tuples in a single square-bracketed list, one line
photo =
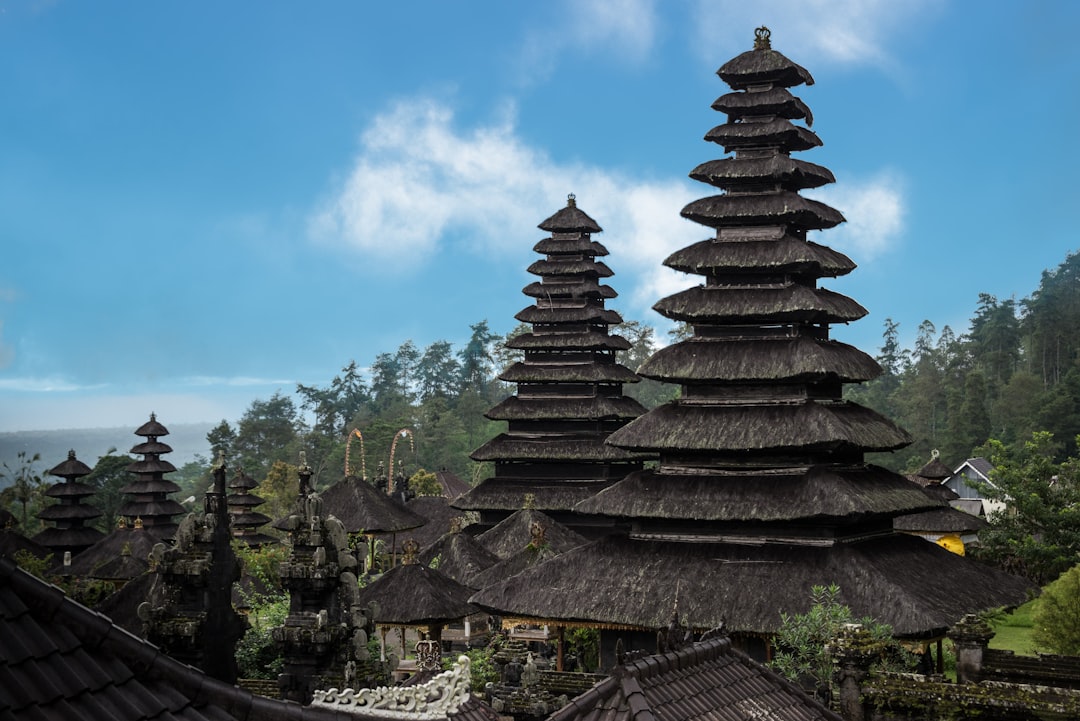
[(571, 201), (761, 38)]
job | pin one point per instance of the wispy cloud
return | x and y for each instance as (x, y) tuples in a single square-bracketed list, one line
[(234, 381), (44, 385), (874, 209), (811, 31), (422, 183)]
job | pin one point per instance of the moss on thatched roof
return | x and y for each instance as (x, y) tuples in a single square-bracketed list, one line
[(570, 266), (895, 579), (591, 340), (583, 289), (578, 244), (364, 508), (786, 255), (459, 556), (774, 101), (514, 533), (811, 426), (722, 211), (803, 359), (534, 314), (791, 173), (761, 67), (823, 493), (508, 494), (779, 132), (552, 447), (572, 373), (791, 303), (414, 594)]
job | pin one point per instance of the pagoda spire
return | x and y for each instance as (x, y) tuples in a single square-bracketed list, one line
[(569, 384), (149, 494), (70, 513)]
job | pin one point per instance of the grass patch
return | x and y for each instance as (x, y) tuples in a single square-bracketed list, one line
[(1012, 632)]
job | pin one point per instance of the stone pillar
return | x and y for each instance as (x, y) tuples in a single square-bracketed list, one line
[(971, 635), (853, 651)]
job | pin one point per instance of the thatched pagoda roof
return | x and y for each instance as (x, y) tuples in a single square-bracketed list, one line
[(508, 494), (584, 314), (823, 493), (524, 559), (774, 101), (413, 595), (460, 556), (586, 288), (708, 360), (914, 586), (557, 266), (552, 447), (575, 244), (514, 533), (935, 470), (570, 219), (362, 508), (791, 173), (940, 520), (789, 208), (812, 426), (73, 539), (152, 428), (780, 132), (569, 373), (589, 340), (68, 511), (437, 513), (763, 66), (570, 408), (153, 465), (790, 303), (154, 447), (784, 254), (134, 542), (452, 486), (71, 467)]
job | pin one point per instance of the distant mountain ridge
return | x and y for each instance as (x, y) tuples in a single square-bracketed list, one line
[(186, 439)]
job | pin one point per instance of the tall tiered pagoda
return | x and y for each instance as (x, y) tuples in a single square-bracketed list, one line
[(762, 490), (70, 535), (569, 386), (149, 493), (243, 517)]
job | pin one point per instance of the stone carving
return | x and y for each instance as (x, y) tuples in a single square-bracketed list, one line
[(441, 696)]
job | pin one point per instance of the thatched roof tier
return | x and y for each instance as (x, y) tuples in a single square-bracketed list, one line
[(524, 559), (577, 244), (514, 533), (415, 595), (790, 303), (785, 255), (461, 557), (822, 493), (437, 513), (557, 266), (550, 447), (244, 500), (570, 219), (935, 470), (74, 539), (780, 133), (152, 465), (71, 467), (763, 66), (895, 579), (248, 519), (810, 426), (586, 289), (151, 447), (774, 101), (70, 489), (940, 520), (791, 173), (11, 542), (789, 208), (69, 512), (138, 542), (152, 428), (566, 408), (508, 494), (452, 486), (241, 481), (362, 508), (591, 340), (786, 359), (571, 373), (151, 485), (149, 509), (556, 314)]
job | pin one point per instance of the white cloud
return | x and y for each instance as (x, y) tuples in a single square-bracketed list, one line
[(42, 385), (811, 31), (874, 210), (235, 381)]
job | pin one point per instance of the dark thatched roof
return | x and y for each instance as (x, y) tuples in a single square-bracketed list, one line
[(792, 303), (452, 486), (72, 539), (152, 447), (362, 508), (508, 494), (570, 266), (534, 314), (70, 489), (524, 559), (819, 493), (790, 173), (569, 373), (705, 680), (414, 594), (586, 288), (122, 606), (780, 132), (11, 542), (916, 587), (570, 219), (135, 542), (935, 470), (712, 360), (153, 465), (576, 244), (150, 485), (570, 408), (514, 533), (764, 66), (460, 556), (774, 101), (940, 520), (152, 428), (69, 511), (560, 341), (552, 447), (71, 467), (437, 512), (723, 428), (786, 254), (721, 211)]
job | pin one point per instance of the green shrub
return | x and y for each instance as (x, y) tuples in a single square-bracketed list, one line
[(1057, 615)]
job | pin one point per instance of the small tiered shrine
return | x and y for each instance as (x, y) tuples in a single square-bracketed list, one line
[(569, 387), (762, 490), (245, 520), (69, 535), (149, 493)]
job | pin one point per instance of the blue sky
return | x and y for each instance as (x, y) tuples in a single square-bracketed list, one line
[(202, 203)]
